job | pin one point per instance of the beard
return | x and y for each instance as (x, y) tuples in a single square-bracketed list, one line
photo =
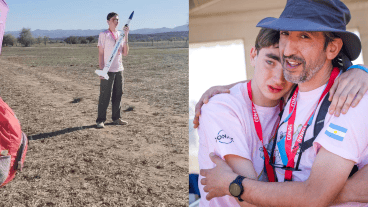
[(307, 72)]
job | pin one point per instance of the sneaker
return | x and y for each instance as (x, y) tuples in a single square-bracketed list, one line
[(120, 122), (100, 125)]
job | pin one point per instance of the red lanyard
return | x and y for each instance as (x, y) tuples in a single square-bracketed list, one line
[(291, 152), (112, 34), (257, 125)]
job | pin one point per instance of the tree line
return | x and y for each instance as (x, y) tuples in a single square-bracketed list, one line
[(26, 39)]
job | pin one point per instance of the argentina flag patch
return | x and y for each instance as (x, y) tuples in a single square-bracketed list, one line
[(336, 132)]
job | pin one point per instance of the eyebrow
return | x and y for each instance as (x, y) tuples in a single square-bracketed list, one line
[(311, 33), (275, 57)]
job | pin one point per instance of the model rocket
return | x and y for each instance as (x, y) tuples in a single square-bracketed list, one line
[(103, 72)]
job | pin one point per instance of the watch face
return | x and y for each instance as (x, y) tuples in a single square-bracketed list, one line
[(235, 189)]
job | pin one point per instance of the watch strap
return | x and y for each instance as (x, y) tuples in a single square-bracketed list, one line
[(238, 180)]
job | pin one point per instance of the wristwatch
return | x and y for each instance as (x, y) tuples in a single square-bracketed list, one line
[(236, 187)]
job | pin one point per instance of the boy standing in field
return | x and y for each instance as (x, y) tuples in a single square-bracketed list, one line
[(106, 43)]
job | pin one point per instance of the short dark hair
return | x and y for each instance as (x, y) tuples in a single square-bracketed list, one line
[(329, 37), (266, 38), (339, 60), (111, 15)]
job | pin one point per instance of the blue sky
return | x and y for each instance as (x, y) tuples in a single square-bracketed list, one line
[(91, 14)]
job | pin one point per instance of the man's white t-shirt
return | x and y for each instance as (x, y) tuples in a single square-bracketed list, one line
[(107, 41), (227, 127), (346, 136)]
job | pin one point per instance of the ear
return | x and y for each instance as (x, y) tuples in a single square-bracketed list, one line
[(253, 56), (333, 48)]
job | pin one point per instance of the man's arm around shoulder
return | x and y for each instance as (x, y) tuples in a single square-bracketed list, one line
[(355, 189), (328, 176)]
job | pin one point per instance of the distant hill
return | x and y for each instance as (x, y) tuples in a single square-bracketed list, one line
[(66, 33), (161, 30), (158, 36)]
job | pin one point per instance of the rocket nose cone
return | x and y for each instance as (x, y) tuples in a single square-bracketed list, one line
[(131, 15)]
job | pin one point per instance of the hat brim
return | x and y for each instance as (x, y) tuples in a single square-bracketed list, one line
[(352, 45)]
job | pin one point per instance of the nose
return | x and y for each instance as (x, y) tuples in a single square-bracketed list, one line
[(278, 75), (289, 46)]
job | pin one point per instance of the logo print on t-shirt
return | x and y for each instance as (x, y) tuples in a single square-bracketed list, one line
[(268, 148), (223, 138)]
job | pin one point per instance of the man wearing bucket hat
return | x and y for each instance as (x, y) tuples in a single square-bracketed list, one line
[(312, 37)]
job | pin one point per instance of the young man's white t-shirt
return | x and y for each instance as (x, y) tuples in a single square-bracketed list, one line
[(351, 129), (227, 127), (107, 41)]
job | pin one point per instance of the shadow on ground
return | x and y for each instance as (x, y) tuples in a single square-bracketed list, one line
[(63, 131)]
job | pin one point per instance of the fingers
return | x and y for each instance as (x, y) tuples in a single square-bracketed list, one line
[(349, 99), (203, 172), (226, 91), (363, 89), (215, 159), (333, 89), (196, 119), (358, 97), (203, 181), (197, 113), (339, 97), (344, 93), (206, 189), (205, 100), (209, 196)]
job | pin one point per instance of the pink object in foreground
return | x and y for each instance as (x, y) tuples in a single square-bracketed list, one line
[(3, 12)]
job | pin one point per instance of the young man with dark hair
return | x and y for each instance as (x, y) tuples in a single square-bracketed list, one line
[(106, 43), (322, 170), (226, 127)]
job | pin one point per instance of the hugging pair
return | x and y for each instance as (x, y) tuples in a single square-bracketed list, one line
[(299, 56)]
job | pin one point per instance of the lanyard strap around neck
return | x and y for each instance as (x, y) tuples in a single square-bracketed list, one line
[(112, 34), (291, 152), (258, 127)]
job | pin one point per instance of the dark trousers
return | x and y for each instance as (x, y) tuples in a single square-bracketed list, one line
[(115, 86)]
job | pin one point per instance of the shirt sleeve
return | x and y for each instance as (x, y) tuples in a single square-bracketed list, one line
[(221, 127), (101, 40), (346, 135)]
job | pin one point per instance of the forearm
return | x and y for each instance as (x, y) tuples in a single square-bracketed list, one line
[(327, 178), (125, 46), (355, 189), (125, 49), (101, 62), (278, 194), (258, 193), (243, 167)]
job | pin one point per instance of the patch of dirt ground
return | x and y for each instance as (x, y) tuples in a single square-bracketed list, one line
[(71, 163)]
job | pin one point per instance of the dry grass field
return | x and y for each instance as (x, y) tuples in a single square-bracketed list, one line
[(54, 93)]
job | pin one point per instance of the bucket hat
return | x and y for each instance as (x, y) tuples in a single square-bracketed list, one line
[(317, 16)]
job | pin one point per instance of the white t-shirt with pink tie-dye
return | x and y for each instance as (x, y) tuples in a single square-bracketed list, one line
[(226, 127), (107, 41)]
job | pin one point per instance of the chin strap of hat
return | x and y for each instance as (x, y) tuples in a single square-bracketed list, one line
[(342, 61)]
